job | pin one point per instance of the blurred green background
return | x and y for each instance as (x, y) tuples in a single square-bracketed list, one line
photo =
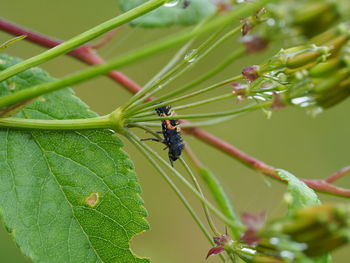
[(306, 146)]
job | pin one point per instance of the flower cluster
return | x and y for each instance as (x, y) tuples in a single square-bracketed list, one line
[(308, 233), (314, 76)]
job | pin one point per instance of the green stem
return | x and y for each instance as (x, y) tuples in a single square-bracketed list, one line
[(171, 64), (197, 186), (235, 55), (221, 198), (128, 58), (147, 129), (204, 115), (155, 86), (203, 102), (187, 63), (222, 217), (192, 105), (194, 83), (82, 38), (151, 105), (147, 124), (141, 147), (134, 140), (103, 122), (211, 122), (220, 41), (217, 191), (107, 121)]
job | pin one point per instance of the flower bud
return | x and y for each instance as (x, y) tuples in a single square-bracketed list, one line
[(251, 73), (313, 231)]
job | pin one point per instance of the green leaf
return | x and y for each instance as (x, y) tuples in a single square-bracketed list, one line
[(66, 196), (299, 194), (326, 258), (169, 15)]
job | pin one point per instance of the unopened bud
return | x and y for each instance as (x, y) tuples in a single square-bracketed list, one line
[(251, 73)]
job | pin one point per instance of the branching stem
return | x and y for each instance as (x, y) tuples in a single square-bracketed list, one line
[(86, 54), (203, 115), (151, 105), (213, 71)]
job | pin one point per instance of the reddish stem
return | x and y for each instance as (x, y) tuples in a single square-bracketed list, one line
[(105, 39), (229, 149), (84, 53), (325, 187), (88, 55), (338, 175)]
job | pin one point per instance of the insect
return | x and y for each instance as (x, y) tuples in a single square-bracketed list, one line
[(186, 4), (171, 134)]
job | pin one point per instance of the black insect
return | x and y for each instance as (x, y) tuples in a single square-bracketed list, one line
[(186, 4), (171, 134)]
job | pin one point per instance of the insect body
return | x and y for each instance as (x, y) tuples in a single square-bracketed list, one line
[(171, 134)]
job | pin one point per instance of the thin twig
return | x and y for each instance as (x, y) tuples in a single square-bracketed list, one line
[(337, 175)]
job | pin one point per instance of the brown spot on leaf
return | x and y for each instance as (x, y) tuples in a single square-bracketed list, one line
[(93, 199)]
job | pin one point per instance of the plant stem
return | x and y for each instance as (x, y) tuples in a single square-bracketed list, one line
[(179, 55), (88, 56), (235, 55), (126, 59), (170, 182), (211, 122), (103, 122), (83, 53), (217, 23), (222, 217), (203, 102), (185, 64), (212, 72), (168, 70), (204, 115), (217, 191), (192, 105), (173, 186), (153, 106), (338, 175), (197, 186), (82, 38), (145, 128)]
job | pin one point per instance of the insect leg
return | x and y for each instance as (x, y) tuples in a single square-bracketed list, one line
[(171, 162), (152, 139)]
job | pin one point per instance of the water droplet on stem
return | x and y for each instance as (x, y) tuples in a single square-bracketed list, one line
[(191, 56), (171, 3)]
